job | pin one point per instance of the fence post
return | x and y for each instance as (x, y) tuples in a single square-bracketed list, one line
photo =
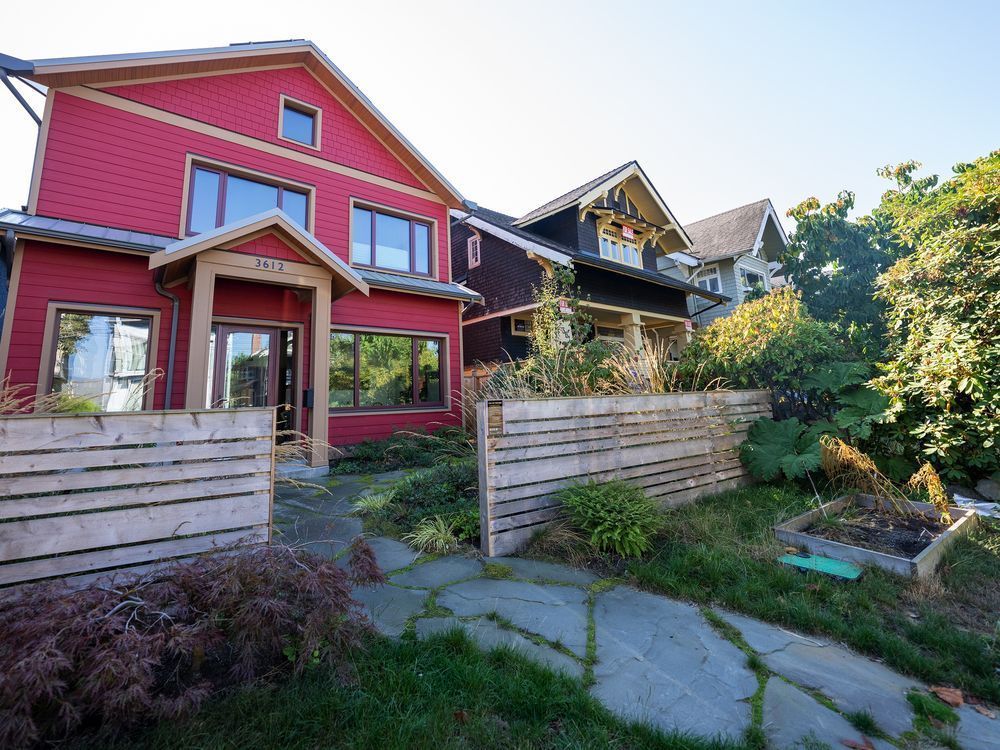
[(482, 452)]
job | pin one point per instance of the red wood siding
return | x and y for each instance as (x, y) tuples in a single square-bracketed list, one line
[(116, 168), (248, 103), (270, 246), (59, 273)]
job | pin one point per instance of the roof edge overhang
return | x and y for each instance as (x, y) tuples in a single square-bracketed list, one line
[(108, 69), (523, 243), (275, 220), (663, 279)]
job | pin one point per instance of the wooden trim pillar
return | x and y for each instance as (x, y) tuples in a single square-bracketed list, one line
[(202, 302), (319, 418), (632, 323)]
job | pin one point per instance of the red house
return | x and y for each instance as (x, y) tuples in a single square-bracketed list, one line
[(244, 220)]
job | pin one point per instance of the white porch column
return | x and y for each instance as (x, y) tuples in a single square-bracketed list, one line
[(632, 324)]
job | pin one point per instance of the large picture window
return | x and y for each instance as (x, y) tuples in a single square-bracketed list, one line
[(102, 358), (391, 243), (618, 246), (219, 197), (382, 370)]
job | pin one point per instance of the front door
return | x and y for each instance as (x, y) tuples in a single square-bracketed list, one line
[(252, 366)]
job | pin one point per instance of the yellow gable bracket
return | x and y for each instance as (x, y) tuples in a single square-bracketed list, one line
[(277, 221)]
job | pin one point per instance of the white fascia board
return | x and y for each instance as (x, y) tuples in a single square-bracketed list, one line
[(517, 241), (682, 258)]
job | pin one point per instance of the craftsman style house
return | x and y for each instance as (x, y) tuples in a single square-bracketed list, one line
[(617, 234), (245, 222), (736, 251)]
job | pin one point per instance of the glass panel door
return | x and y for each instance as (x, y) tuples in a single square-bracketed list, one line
[(246, 367)]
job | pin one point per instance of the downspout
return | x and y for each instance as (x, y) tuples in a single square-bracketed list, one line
[(175, 303)]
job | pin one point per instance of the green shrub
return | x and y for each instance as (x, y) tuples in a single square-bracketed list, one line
[(434, 535), (617, 516), (405, 449), (943, 308), (770, 342)]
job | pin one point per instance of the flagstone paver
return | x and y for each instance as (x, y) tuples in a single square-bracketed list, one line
[(792, 718), (557, 613), (489, 634), (659, 660), (536, 570), (852, 682), (652, 657), (438, 572)]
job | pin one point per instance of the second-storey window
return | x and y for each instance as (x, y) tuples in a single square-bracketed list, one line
[(219, 197), (708, 279), (388, 242)]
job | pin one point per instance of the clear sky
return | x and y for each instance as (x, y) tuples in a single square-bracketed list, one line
[(517, 102)]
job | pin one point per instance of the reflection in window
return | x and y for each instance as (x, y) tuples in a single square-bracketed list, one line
[(219, 198), (371, 370), (390, 242), (708, 279), (298, 125), (341, 369), (102, 358)]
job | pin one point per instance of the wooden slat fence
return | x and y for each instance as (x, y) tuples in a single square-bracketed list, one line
[(84, 495), (676, 446)]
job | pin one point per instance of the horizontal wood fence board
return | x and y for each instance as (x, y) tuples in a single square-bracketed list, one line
[(87, 493), (677, 447), (126, 556), (633, 474), (98, 431), (75, 502), (56, 534), (22, 485), (21, 463)]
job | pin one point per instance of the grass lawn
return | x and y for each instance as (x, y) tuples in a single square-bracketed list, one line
[(439, 693), (721, 550)]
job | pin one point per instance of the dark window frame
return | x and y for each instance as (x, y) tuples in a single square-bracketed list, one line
[(415, 339), (414, 221), (220, 202)]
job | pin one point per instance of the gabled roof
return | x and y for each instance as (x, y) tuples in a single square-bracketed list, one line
[(31, 226), (734, 232), (502, 226), (659, 212), (574, 195), (108, 69)]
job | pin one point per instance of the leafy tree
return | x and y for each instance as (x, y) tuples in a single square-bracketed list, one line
[(772, 342), (943, 319), (834, 263)]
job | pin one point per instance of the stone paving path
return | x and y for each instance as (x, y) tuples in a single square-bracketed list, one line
[(646, 657)]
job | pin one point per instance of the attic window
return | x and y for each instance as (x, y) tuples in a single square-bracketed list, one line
[(299, 122), (619, 245), (474, 245)]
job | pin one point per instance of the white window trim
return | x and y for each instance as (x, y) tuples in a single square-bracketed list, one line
[(739, 269), (513, 330), (474, 246), (601, 238), (710, 270)]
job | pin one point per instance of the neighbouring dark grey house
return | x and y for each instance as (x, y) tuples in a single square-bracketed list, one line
[(613, 230)]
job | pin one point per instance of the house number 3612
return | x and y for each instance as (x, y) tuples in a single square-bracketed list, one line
[(271, 265)]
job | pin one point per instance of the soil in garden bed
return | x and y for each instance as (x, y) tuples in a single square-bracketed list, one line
[(880, 531)]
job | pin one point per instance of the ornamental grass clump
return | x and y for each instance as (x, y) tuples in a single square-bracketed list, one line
[(617, 516), (145, 648)]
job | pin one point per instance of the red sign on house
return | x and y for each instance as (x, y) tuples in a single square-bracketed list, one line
[(628, 233)]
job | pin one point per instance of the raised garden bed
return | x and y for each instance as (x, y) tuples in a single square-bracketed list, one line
[(853, 528)]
